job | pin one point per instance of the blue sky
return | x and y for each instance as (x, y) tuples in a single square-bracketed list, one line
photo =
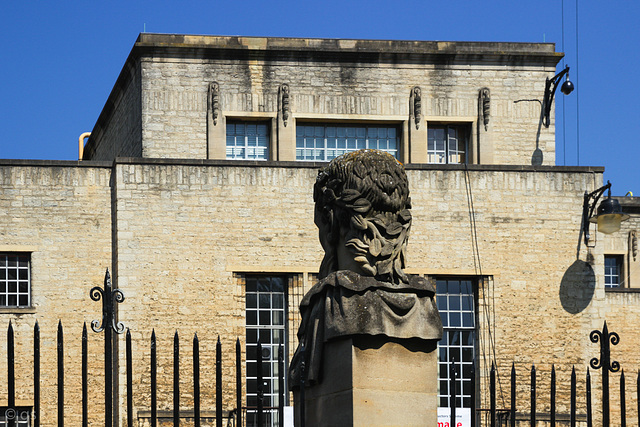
[(60, 60)]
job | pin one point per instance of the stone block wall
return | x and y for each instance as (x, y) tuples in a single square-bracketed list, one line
[(118, 131), (159, 107), (186, 232), (174, 101), (60, 213)]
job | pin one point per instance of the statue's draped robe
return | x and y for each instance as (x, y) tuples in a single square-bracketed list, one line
[(347, 304)]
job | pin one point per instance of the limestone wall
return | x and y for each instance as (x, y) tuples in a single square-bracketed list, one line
[(60, 214), (118, 131), (186, 231), (174, 101)]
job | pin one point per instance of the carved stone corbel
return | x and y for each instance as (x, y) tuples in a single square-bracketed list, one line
[(415, 104), (485, 106), (213, 101), (633, 244), (283, 102)]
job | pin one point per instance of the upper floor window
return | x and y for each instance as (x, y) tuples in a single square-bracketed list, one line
[(447, 143), (323, 142), (15, 280), (613, 270), (247, 140)]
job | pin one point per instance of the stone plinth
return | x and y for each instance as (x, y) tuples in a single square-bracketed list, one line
[(372, 381)]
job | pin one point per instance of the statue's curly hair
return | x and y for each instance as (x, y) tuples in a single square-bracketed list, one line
[(364, 196)]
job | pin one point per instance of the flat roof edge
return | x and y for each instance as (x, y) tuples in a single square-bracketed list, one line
[(342, 45), (55, 163)]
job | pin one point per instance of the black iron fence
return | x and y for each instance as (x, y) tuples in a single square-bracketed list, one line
[(15, 416), (266, 415), (512, 415), (237, 416)]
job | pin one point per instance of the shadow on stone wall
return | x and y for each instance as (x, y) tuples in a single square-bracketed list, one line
[(577, 287)]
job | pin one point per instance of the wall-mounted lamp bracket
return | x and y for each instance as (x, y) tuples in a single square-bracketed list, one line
[(608, 216), (549, 91)]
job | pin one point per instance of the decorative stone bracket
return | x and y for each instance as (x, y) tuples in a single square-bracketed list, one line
[(415, 105), (213, 101), (485, 106), (283, 102)]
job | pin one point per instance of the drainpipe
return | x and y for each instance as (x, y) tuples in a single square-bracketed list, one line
[(81, 144)]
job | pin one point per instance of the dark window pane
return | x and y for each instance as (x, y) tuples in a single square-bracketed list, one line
[(252, 369), (264, 285), (251, 352), (454, 287), (278, 300), (266, 370), (252, 301), (252, 401), (277, 284), (455, 338), (264, 301), (278, 318), (467, 320), (252, 318), (265, 317), (251, 285), (265, 336), (455, 320), (454, 302), (467, 369)]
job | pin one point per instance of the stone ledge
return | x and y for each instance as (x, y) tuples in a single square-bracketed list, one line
[(317, 165), (56, 163), (622, 290), (18, 310)]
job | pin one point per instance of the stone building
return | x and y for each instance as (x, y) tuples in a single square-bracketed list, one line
[(194, 189)]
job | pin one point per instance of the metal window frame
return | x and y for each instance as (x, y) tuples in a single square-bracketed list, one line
[(614, 278), (245, 139), (445, 394), (324, 149), (273, 393), (464, 134), (4, 283)]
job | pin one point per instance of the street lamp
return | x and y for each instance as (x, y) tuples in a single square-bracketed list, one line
[(608, 216), (549, 92)]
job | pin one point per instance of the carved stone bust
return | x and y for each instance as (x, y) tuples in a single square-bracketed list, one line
[(362, 213), (362, 210)]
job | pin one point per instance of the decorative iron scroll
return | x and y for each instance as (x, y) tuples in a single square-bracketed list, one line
[(109, 298), (605, 338)]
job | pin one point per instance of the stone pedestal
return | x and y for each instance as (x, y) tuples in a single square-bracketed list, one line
[(372, 381)]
